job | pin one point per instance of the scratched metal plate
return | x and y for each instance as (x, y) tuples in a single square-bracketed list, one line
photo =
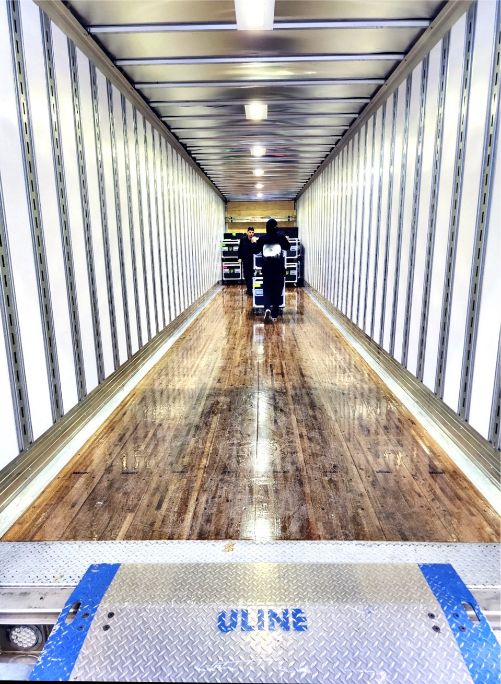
[(365, 623)]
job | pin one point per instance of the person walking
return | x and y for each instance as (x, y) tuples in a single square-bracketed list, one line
[(246, 257), (272, 246)]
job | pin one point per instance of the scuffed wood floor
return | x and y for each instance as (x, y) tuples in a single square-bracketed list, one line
[(247, 431)]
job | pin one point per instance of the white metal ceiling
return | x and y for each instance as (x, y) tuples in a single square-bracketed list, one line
[(317, 71)]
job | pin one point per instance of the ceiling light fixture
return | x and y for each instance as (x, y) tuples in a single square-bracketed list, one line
[(259, 195), (255, 15), (258, 150), (256, 111), (259, 186), (258, 172)]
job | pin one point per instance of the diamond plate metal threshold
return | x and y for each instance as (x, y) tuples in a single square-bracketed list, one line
[(38, 608), (252, 622), (36, 579)]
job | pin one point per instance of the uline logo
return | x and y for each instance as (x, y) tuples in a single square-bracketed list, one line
[(262, 620)]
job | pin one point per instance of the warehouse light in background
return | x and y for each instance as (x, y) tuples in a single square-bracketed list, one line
[(258, 172), (259, 186), (259, 195), (258, 150), (256, 111), (255, 15)]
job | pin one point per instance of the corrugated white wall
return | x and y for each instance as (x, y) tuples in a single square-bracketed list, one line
[(129, 230), (402, 231)]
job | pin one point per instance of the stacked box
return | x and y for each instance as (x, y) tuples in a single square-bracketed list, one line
[(257, 294), (231, 268), (293, 263)]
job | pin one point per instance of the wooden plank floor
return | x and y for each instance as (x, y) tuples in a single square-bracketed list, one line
[(247, 431)]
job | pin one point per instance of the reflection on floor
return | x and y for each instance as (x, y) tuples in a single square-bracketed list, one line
[(254, 431)]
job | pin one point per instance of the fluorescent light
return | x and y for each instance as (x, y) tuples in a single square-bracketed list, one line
[(259, 186), (256, 111), (255, 15), (258, 150), (259, 195), (258, 172)]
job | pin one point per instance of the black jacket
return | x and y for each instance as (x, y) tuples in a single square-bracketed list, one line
[(245, 251), (272, 265)]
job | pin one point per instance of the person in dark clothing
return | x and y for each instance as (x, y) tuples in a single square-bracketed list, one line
[(272, 245), (246, 257)]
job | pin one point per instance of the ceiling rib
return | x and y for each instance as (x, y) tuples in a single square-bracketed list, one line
[(272, 59), (299, 168), (264, 100), (277, 26), (301, 150), (237, 118), (262, 139), (241, 142), (263, 83), (207, 158), (279, 165), (258, 131)]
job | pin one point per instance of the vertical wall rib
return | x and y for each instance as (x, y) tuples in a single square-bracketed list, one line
[(378, 219), (150, 226), (415, 209), (432, 217), (104, 214), (391, 175), (403, 177), (495, 418), (131, 218), (13, 342), (34, 206), (371, 199), (62, 204), (141, 224), (456, 202), (118, 213), (482, 223), (84, 198)]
